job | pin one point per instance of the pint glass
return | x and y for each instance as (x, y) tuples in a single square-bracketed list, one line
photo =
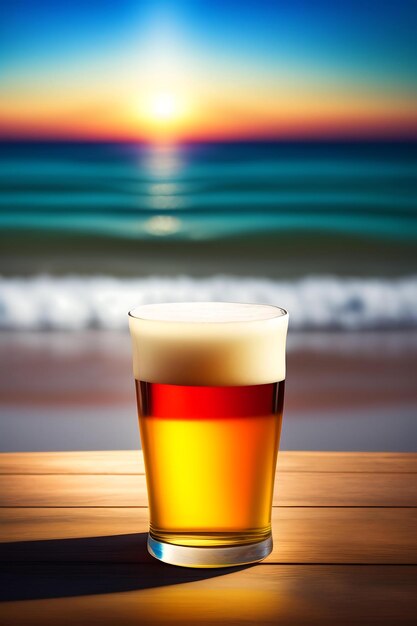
[(210, 390)]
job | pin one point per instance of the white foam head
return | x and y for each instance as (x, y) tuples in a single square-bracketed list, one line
[(208, 343)]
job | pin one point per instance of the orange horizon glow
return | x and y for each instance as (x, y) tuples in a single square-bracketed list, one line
[(216, 122), (186, 109)]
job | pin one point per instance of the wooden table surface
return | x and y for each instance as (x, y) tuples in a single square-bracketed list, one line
[(73, 546)]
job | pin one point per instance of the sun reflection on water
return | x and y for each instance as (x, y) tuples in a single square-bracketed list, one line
[(162, 225), (163, 164)]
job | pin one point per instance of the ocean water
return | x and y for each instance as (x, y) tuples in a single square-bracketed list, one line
[(206, 192), (326, 230), (75, 303)]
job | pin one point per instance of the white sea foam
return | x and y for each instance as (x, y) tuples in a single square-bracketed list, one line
[(75, 302)]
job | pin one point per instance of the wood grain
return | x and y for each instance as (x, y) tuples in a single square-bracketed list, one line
[(128, 595), (291, 489), (301, 535), (73, 546), (131, 462), (94, 462)]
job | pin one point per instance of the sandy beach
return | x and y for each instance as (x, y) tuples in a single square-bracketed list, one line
[(344, 391)]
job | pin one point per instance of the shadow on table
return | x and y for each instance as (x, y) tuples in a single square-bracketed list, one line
[(57, 568)]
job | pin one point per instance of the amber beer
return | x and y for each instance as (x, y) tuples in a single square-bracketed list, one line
[(210, 391)]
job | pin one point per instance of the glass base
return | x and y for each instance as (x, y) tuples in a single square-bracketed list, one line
[(190, 556)]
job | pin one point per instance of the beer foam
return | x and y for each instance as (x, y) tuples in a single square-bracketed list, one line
[(208, 343)]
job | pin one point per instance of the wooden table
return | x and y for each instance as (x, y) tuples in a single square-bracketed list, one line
[(73, 532)]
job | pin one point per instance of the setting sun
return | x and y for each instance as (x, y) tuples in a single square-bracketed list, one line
[(164, 106), (163, 115)]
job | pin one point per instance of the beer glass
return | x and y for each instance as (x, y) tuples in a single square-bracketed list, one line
[(210, 390)]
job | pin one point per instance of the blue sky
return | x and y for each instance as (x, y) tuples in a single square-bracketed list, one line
[(355, 43)]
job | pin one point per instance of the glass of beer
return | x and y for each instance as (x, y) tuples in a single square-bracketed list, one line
[(210, 391)]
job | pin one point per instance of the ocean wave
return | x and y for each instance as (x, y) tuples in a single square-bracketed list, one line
[(76, 302)]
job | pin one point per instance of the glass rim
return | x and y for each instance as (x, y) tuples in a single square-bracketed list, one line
[(283, 312)]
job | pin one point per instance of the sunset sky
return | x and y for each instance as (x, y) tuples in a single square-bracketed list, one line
[(208, 69)]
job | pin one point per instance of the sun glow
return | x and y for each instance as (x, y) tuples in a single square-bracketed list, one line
[(163, 114), (164, 107)]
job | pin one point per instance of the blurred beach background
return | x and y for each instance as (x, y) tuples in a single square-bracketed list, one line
[(242, 151)]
